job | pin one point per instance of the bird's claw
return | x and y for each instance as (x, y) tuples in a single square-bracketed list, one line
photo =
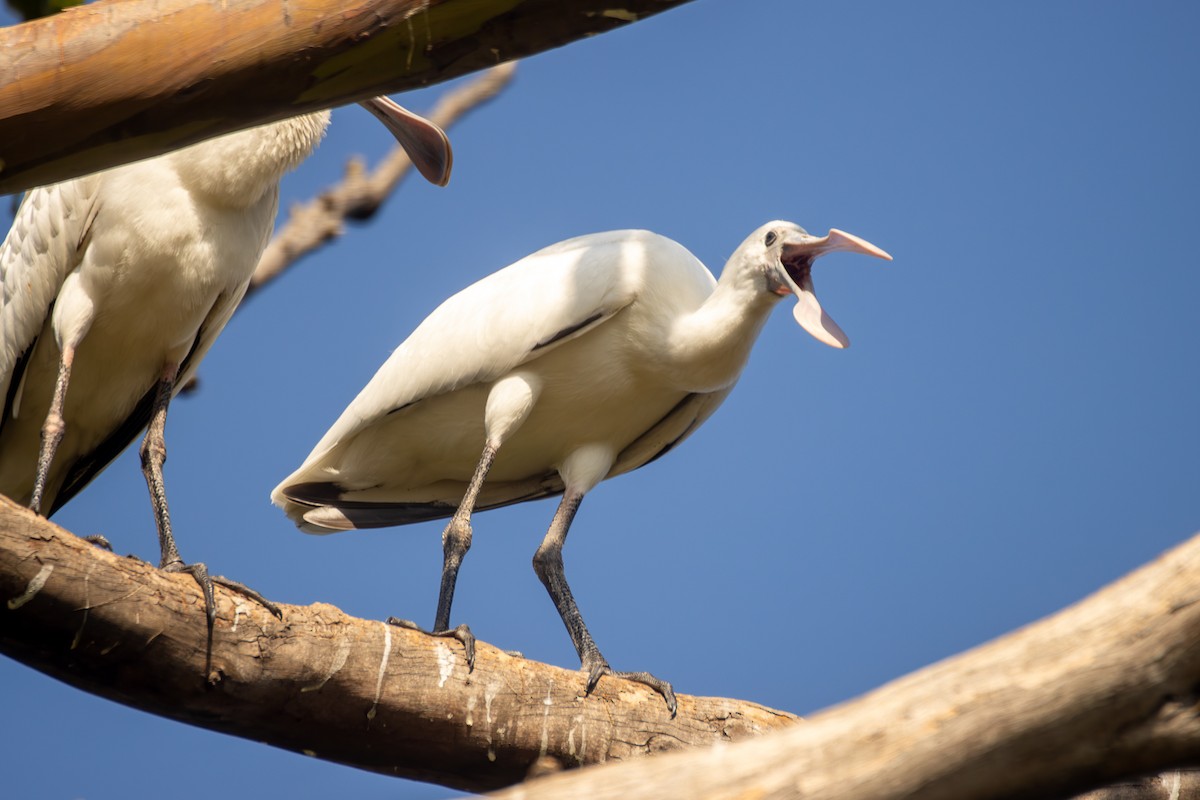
[(243, 589), (199, 571), (100, 540), (601, 668), (462, 633)]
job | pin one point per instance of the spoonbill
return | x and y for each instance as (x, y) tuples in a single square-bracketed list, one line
[(116, 284), (583, 361)]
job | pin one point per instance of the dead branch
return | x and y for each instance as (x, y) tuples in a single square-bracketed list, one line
[(174, 72), (360, 193), (1102, 691), (349, 690)]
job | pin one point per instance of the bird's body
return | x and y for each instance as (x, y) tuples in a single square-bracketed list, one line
[(585, 360), (396, 446), (113, 286), (129, 273)]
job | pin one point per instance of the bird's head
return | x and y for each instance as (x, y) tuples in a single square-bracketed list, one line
[(785, 253)]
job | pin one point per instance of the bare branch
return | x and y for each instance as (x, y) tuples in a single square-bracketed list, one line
[(1104, 690), (349, 690), (178, 71), (360, 194)]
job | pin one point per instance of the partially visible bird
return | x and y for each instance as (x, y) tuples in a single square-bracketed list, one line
[(585, 360), (113, 286)]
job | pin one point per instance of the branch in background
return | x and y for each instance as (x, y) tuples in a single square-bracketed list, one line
[(320, 682), (179, 71), (1105, 690), (360, 194)]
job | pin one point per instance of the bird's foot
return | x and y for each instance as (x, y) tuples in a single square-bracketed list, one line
[(462, 633), (246, 591), (600, 668), (100, 540), (200, 572)]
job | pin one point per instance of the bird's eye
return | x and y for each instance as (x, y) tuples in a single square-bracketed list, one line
[(770, 240)]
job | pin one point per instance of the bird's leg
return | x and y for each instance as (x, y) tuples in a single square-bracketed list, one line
[(456, 540), (53, 428), (548, 564), (154, 454)]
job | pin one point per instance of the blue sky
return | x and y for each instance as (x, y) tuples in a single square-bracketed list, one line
[(1014, 426)]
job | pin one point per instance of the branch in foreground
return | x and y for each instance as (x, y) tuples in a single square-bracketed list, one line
[(174, 74), (320, 682), (1102, 691), (360, 194)]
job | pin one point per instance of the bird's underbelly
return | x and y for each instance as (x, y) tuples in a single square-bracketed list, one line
[(119, 360), (440, 439)]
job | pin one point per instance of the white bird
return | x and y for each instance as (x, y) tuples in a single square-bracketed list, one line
[(115, 285), (585, 360)]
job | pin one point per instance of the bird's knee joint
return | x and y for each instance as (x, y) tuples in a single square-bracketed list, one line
[(54, 426), (457, 536), (546, 559), (154, 453)]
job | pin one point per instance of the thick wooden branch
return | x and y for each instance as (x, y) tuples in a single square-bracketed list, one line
[(1105, 690), (354, 691), (111, 82)]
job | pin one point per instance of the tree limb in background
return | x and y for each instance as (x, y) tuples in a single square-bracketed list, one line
[(360, 194), (179, 71), (1102, 691), (320, 682)]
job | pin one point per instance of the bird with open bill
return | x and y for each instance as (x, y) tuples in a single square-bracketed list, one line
[(583, 361)]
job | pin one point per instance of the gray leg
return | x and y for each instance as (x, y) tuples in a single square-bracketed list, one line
[(154, 455), (53, 429), (548, 564), (456, 541)]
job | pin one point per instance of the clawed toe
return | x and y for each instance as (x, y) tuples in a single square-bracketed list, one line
[(245, 590), (601, 668), (100, 540), (462, 633), (199, 571)]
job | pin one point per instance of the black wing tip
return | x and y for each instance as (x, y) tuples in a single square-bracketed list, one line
[(313, 493), (364, 513)]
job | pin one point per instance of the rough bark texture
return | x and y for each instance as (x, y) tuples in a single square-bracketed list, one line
[(1101, 692), (112, 82), (320, 682), (1105, 690)]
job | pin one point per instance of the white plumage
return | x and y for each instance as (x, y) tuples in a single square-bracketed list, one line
[(583, 361), (113, 286)]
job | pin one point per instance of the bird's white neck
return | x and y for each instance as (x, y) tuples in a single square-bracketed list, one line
[(709, 347), (239, 169)]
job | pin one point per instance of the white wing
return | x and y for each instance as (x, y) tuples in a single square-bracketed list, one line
[(43, 246), (506, 319)]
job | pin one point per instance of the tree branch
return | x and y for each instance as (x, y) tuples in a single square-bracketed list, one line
[(1104, 690), (320, 682), (178, 71), (360, 194)]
